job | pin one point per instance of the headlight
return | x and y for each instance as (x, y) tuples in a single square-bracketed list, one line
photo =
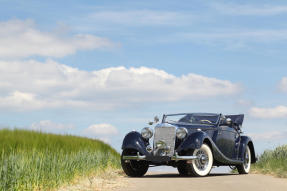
[(146, 133), (181, 132)]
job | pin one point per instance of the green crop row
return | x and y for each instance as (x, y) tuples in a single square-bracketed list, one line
[(40, 161)]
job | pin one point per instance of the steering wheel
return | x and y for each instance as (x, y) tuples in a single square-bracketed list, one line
[(205, 120)]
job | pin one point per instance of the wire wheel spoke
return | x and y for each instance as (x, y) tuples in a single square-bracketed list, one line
[(202, 161)]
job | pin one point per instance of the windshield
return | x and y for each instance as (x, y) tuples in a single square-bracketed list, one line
[(193, 119)]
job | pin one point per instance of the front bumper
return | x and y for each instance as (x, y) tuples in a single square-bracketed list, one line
[(175, 157)]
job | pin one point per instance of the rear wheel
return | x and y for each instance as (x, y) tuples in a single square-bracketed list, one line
[(199, 167), (245, 167), (133, 168)]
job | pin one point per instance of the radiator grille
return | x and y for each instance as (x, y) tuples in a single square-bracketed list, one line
[(165, 133)]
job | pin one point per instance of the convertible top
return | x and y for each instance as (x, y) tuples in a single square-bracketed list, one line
[(238, 119)]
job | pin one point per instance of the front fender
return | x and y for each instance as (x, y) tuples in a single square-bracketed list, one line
[(244, 141), (134, 140), (193, 141)]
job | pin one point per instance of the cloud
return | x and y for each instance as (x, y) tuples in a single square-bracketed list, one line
[(102, 131), (20, 38), (32, 85), (51, 127), (252, 10), (141, 18), (283, 84), (269, 113), (230, 39), (269, 136)]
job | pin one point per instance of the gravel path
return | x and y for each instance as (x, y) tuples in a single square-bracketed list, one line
[(215, 182)]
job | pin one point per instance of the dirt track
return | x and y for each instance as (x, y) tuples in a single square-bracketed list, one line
[(214, 182)]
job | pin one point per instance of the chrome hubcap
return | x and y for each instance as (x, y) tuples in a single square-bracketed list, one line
[(202, 161)]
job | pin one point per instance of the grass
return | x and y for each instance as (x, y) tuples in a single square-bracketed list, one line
[(39, 161), (273, 162)]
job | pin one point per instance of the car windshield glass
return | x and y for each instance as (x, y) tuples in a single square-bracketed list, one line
[(193, 119)]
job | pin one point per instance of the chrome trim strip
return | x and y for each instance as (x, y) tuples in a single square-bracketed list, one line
[(176, 157)]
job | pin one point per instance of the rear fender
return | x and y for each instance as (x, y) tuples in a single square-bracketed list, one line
[(134, 140), (245, 140)]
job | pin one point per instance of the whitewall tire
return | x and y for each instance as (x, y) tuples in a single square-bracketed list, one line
[(203, 165), (198, 167), (245, 167)]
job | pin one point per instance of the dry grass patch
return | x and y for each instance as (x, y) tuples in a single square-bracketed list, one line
[(106, 180)]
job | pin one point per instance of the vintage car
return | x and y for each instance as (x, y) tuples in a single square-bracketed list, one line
[(191, 142)]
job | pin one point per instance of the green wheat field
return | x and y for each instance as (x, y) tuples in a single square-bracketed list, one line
[(273, 162), (39, 161)]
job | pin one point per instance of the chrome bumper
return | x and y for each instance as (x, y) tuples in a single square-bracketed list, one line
[(176, 157), (137, 157)]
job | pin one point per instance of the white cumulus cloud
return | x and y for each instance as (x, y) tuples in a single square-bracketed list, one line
[(21, 38), (102, 131), (51, 127), (30, 85), (269, 113)]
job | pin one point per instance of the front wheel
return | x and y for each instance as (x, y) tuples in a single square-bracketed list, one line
[(133, 168), (245, 167), (200, 166)]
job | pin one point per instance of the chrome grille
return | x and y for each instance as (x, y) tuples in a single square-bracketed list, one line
[(164, 133)]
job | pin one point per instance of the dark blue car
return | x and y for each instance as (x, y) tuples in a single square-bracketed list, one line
[(191, 142)]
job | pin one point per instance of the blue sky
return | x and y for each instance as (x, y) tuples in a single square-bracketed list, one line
[(101, 69)]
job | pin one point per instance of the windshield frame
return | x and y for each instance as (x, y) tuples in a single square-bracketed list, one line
[(196, 114)]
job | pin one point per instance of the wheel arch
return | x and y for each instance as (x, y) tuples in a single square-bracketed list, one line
[(193, 141), (208, 142), (247, 141), (252, 150), (134, 141)]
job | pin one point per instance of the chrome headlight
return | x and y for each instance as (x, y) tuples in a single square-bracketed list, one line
[(146, 133), (181, 132)]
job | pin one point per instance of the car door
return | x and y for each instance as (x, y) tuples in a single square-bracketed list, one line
[(226, 141)]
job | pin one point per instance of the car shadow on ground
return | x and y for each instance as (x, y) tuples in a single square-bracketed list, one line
[(176, 175)]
